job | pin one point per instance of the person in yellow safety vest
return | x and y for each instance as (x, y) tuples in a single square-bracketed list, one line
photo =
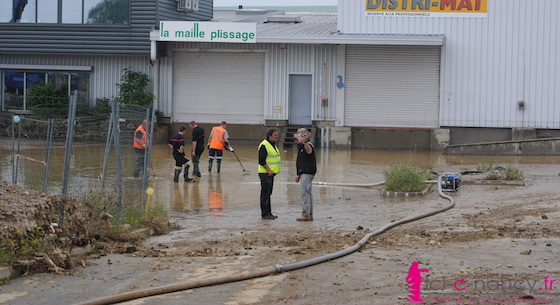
[(219, 138), (141, 142), (269, 166)]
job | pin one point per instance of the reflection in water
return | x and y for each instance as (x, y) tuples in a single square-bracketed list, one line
[(215, 197)]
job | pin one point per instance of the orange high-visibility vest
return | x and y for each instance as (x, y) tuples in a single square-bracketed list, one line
[(218, 138), (143, 139)]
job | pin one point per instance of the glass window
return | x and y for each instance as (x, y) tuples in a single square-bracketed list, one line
[(59, 80), (25, 10), (95, 11), (47, 11), (71, 11), (5, 10), (34, 79), (117, 11), (13, 90)]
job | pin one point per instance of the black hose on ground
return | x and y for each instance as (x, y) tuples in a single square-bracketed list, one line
[(269, 270)]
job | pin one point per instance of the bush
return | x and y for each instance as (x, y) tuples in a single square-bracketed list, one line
[(513, 173), (486, 166), (46, 100), (404, 178), (131, 89)]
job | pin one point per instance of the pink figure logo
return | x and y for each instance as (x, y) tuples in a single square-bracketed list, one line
[(414, 281)]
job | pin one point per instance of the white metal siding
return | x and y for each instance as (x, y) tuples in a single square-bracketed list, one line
[(392, 86), (280, 60), (213, 86), (488, 64), (106, 73)]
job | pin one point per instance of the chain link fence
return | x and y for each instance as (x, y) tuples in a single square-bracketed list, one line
[(75, 147)]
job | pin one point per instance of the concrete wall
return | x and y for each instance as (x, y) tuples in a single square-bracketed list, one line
[(527, 147), (414, 139), (478, 135)]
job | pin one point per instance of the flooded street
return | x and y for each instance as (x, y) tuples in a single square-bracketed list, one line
[(482, 238)]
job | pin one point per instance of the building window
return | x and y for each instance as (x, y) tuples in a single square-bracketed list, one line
[(70, 12), (16, 84)]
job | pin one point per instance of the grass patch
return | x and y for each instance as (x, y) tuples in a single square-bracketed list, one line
[(513, 173), (493, 176), (405, 178), (486, 166), (4, 281)]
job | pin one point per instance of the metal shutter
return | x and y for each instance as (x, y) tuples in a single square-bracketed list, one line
[(218, 86), (392, 86)]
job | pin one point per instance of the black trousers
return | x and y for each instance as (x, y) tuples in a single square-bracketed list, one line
[(267, 183)]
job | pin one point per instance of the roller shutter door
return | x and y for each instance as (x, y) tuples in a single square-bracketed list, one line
[(213, 87), (392, 86)]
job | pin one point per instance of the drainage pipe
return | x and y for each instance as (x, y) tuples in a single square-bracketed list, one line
[(269, 270)]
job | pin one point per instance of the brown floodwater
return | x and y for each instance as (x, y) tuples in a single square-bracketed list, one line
[(214, 193)]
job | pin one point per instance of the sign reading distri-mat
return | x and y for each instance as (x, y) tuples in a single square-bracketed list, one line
[(427, 8), (208, 31)]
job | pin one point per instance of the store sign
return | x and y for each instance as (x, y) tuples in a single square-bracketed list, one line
[(427, 8), (208, 31)]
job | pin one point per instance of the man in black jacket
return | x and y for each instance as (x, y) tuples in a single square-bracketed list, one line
[(306, 168)]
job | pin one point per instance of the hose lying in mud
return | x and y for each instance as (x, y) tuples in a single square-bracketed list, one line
[(269, 270)]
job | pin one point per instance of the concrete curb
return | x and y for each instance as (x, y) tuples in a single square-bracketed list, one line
[(388, 194)]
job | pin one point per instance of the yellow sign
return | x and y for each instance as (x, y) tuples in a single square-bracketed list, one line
[(427, 8)]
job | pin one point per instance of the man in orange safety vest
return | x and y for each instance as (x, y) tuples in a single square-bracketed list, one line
[(219, 139)]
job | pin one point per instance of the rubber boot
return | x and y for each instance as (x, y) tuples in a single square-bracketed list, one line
[(176, 177), (210, 165), (186, 174), (218, 165)]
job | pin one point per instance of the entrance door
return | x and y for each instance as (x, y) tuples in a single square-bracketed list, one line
[(300, 100)]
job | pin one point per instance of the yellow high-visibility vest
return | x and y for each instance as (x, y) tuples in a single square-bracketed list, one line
[(272, 158)]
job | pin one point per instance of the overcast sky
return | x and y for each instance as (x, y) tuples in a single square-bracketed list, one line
[(274, 2)]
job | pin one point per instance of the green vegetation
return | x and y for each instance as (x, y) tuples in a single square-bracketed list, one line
[(513, 173), (486, 166), (4, 256), (46, 100), (131, 89), (404, 178), (4, 281)]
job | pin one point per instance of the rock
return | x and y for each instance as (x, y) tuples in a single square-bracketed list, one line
[(549, 245), (509, 266), (526, 252), (6, 272), (125, 228), (359, 228), (544, 217)]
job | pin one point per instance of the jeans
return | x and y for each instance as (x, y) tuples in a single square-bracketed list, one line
[(306, 182), (139, 162), (267, 183)]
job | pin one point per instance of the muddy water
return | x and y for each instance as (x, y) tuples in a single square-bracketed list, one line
[(216, 193)]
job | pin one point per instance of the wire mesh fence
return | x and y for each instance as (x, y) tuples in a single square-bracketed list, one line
[(75, 151)]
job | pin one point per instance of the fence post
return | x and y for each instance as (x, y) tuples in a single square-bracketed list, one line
[(117, 139), (13, 151), (50, 128), (145, 169), (18, 146), (107, 149), (147, 160), (68, 151)]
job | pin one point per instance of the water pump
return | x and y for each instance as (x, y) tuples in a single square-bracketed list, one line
[(450, 182)]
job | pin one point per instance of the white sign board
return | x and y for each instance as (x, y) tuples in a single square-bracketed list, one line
[(236, 32)]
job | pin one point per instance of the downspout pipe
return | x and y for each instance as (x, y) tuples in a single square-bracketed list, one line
[(269, 270)]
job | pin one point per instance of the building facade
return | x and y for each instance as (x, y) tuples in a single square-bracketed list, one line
[(79, 45)]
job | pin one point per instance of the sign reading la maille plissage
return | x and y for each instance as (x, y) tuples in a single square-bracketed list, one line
[(427, 8)]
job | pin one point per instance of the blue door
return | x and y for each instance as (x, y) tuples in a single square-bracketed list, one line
[(300, 100)]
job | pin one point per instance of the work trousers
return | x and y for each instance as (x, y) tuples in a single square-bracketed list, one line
[(306, 182), (196, 161), (139, 161), (267, 183)]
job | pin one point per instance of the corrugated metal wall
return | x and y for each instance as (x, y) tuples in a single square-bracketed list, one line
[(280, 60), (488, 64), (106, 72), (168, 11), (94, 39)]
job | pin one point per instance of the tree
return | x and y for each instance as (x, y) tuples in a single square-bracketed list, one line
[(131, 89), (109, 12)]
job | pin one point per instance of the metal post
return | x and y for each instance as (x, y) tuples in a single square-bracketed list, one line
[(149, 154), (117, 139), (48, 155), (146, 164), (107, 150), (68, 151), (18, 146), (13, 151)]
